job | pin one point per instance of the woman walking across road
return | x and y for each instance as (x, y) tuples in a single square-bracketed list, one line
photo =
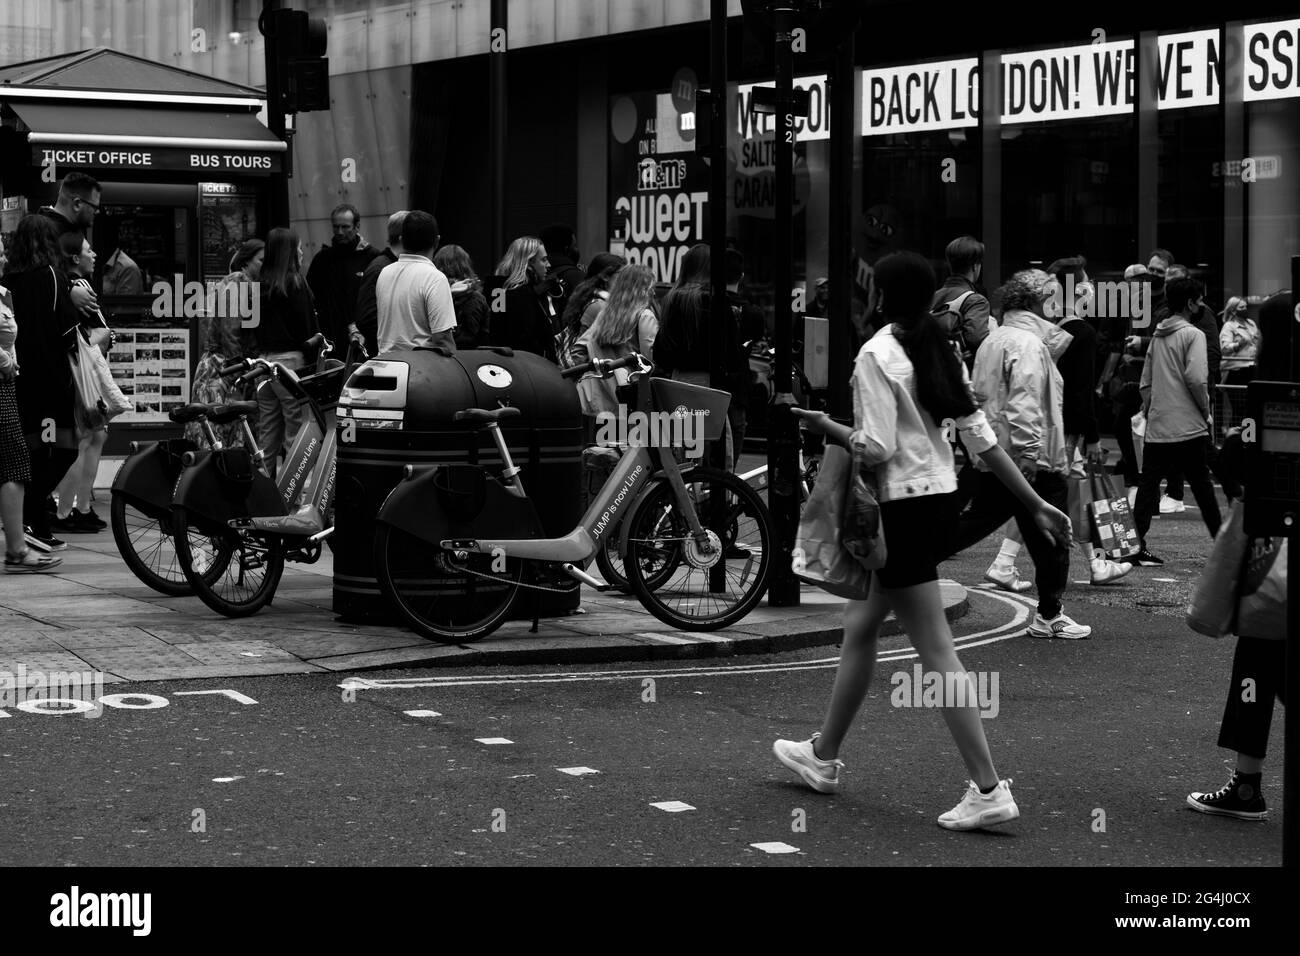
[(907, 384)]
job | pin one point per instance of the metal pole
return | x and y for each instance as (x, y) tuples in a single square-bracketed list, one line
[(497, 46), (1291, 669), (840, 311), (721, 312), (783, 436), (279, 197)]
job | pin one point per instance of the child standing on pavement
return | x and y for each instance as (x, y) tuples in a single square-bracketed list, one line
[(907, 383)]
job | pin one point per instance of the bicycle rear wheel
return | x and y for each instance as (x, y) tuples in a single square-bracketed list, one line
[(242, 584), (148, 549), (442, 597), (610, 561), (688, 598)]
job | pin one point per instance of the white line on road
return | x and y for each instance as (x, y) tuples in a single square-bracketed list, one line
[(576, 771), (421, 713), (672, 806), (978, 639), (492, 741), (232, 694), (775, 847)]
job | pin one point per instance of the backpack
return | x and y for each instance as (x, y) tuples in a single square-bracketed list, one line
[(949, 315)]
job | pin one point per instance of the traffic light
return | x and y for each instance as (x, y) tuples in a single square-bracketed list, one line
[(303, 67)]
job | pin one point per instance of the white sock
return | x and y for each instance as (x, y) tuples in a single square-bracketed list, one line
[(1006, 559)]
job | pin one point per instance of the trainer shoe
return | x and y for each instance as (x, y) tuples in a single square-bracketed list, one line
[(822, 775), (1059, 626), (1105, 572), (1171, 506), (41, 543), (1144, 559), (978, 810), (91, 518), (1236, 798), (1007, 580)]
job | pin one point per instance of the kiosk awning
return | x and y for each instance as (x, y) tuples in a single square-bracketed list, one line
[(202, 141)]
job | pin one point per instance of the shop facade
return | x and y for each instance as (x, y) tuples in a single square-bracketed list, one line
[(184, 165)]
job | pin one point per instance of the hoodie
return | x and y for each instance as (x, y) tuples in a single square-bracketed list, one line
[(1017, 384), (335, 279), (1175, 392)]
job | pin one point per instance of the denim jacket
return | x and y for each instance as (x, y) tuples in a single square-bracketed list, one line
[(1021, 391), (912, 453)]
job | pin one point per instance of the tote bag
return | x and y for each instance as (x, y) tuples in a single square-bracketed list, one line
[(98, 397), (840, 536)]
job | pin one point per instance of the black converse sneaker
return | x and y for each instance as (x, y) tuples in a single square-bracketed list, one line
[(1238, 798)]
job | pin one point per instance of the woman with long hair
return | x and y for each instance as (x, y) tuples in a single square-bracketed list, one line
[(624, 325), (682, 347), (1239, 342), (287, 320), (529, 321), (48, 321), (909, 389), (78, 485), (466, 296), (584, 305), (222, 342)]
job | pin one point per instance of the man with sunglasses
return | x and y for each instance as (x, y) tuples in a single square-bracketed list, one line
[(75, 211)]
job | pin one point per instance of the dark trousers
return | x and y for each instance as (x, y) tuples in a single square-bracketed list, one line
[(1246, 722), (991, 506), (1185, 457), (1127, 404), (49, 464)]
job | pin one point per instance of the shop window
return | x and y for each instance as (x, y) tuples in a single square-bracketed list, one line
[(1191, 178)]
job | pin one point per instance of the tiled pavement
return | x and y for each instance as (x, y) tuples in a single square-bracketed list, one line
[(96, 615)]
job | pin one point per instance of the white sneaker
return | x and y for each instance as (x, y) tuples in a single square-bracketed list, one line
[(978, 810), (1007, 580), (1168, 506), (1105, 572), (1059, 626), (822, 775)]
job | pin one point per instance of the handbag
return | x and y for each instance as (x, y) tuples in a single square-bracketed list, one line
[(98, 397), (840, 538), (1242, 589), (1112, 527)]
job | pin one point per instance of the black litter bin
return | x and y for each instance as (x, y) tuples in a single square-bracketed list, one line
[(402, 404)]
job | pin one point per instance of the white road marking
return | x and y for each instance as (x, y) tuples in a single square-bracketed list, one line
[(576, 771), (226, 779), (421, 713), (992, 635), (493, 740), (672, 806), (1166, 580), (232, 694), (775, 847)]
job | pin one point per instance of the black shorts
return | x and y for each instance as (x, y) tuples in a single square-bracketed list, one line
[(919, 534)]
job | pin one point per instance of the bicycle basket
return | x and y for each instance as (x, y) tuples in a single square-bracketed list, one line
[(325, 387), (682, 399)]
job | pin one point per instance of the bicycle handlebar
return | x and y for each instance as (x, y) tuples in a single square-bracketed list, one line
[(603, 367)]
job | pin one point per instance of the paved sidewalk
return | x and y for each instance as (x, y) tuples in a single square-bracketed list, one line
[(96, 615)]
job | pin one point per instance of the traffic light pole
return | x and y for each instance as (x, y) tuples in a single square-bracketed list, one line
[(783, 435), (497, 104), (719, 308), (840, 311), (275, 120)]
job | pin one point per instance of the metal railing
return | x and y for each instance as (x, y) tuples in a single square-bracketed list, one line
[(1229, 409)]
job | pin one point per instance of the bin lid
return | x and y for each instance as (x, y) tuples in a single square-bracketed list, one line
[(422, 389)]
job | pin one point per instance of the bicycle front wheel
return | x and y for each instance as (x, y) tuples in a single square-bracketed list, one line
[(233, 572), (706, 590), (441, 597), (660, 568)]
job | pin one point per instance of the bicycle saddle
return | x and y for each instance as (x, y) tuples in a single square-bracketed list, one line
[(224, 414), (481, 416), (191, 412)]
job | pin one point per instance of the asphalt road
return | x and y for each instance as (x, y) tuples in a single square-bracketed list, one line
[(1103, 738)]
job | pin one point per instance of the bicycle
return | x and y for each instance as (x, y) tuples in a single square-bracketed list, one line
[(453, 543), (228, 496), (140, 512)]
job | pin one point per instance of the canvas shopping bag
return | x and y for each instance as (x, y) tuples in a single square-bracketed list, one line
[(820, 556), (1243, 587), (1112, 528)]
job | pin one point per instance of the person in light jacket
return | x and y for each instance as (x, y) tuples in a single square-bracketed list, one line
[(1176, 401), (1239, 342)]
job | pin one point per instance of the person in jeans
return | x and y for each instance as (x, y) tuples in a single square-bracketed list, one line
[(287, 321), (1022, 393), (909, 388), (1176, 400)]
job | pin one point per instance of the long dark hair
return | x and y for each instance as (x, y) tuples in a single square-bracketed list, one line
[(686, 306), (280, 270), (906, 280), (35, 245), (598, 280)]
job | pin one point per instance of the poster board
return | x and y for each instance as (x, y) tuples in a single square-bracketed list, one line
[(152, 368)]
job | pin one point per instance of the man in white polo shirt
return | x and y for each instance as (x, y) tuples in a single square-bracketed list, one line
[(415, 307)]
